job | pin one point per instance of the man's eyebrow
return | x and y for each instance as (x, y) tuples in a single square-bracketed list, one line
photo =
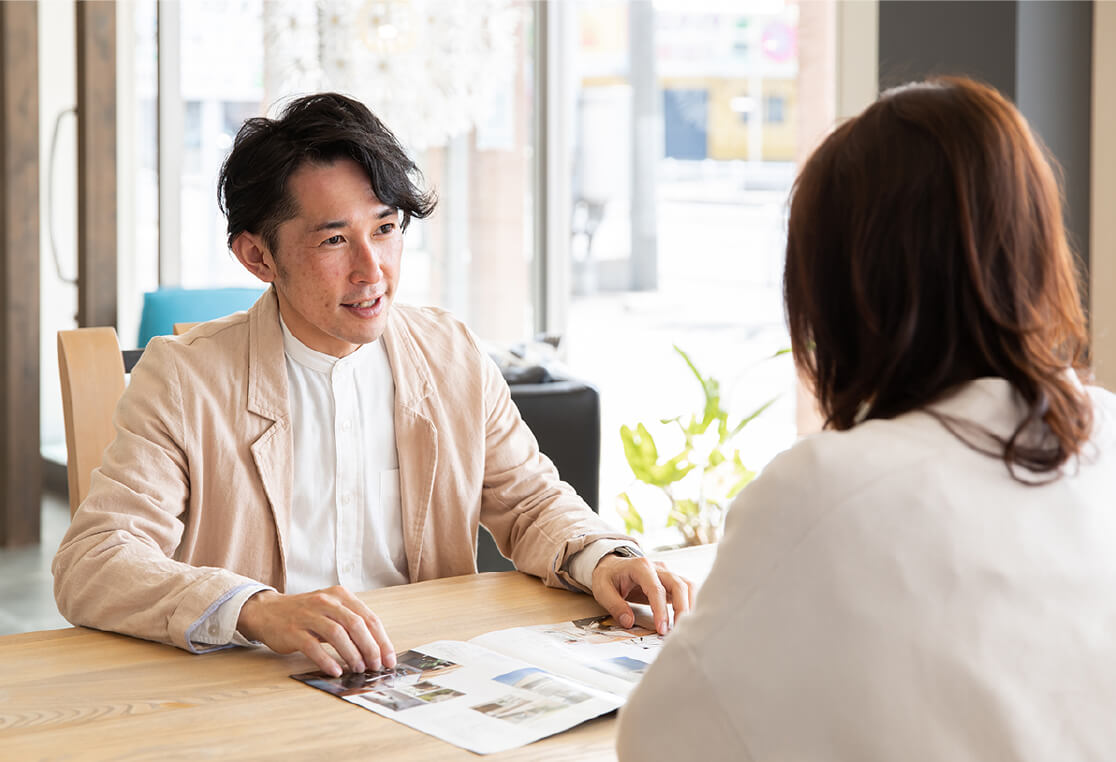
[(330, 225), (387, 211)]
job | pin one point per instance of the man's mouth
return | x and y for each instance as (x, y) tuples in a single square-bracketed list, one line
[(365, 307)]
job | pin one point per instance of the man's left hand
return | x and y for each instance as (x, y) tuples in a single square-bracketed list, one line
[(617, 579)]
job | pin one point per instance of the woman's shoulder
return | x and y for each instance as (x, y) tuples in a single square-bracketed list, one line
[(847, 474), (832, 462)]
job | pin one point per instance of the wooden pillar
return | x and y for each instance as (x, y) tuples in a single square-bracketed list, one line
[(96, 153), (20, 462)]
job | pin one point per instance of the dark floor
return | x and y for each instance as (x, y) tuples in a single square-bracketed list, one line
[(26, 586)]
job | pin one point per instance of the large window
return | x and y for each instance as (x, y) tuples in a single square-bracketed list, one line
[(687, 132)]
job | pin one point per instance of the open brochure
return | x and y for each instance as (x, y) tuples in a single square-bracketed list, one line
[(506, 688)]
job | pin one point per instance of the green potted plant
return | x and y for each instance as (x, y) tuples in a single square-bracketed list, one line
[(702, 478)]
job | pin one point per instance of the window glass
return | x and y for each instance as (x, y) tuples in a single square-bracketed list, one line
[(221, 81), (138, 163), (723, 78)]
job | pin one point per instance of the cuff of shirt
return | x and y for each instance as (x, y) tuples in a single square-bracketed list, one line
[(219, 629), (582, 563)]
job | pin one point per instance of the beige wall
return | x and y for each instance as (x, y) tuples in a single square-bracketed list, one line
[(1103, 211), (837, 79), (857, 54)]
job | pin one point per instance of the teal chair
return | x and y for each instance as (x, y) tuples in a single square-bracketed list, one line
[(167, 306)]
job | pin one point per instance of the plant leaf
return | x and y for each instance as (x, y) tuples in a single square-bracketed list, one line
[(743, 474), (723, 434), (633, 521), (643, 456), (710, 387), (669, 472), (683, 513), (745, 478), (755, 414), (639, 448)]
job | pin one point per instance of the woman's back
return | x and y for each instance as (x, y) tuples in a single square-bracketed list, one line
[(889, 593)]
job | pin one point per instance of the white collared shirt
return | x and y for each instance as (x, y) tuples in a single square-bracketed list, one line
[(346, 525)]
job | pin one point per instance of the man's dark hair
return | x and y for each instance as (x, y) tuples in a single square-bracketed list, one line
[(321, 128)]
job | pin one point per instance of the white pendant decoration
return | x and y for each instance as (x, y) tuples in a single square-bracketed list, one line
[(428, 68)]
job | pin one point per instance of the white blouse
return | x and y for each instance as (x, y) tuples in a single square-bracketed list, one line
[(887, 593)]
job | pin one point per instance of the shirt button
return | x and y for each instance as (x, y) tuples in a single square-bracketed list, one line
[(345, 499), (346, 426)]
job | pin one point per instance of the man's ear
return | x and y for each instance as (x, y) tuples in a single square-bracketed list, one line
[(253, 253)]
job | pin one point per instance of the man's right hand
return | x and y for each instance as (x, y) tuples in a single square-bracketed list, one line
[(289, 623)]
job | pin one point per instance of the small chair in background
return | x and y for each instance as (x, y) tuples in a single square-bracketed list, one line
[(163, 308)]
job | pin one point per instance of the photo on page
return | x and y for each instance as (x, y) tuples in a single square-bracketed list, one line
[(357, 683)]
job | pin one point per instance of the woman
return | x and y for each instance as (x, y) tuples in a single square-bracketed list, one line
[(934, 576)]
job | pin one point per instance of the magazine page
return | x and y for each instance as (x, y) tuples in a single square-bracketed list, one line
[(470, 696), (595, 650)]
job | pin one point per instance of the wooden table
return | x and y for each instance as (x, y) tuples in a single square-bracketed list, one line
[(84, 694)]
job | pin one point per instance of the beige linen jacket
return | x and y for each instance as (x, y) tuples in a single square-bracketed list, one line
[(192, 499)]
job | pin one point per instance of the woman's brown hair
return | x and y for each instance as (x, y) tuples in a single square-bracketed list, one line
[(925, 249)]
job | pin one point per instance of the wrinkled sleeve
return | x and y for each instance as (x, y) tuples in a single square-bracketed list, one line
[(115, 569), (537, 520)]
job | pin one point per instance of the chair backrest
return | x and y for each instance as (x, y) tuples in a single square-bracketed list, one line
[(91, 369), (167, 306)]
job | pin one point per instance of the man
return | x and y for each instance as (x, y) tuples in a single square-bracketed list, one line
[(269, 463)]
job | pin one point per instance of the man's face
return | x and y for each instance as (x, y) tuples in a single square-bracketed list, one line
[(336, 267)]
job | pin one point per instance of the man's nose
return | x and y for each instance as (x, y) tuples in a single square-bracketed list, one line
[(367, 264)]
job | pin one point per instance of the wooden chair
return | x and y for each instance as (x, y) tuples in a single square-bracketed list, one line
[(91, 368)]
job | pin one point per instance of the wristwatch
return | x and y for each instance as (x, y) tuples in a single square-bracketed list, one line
[(626, 551)]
